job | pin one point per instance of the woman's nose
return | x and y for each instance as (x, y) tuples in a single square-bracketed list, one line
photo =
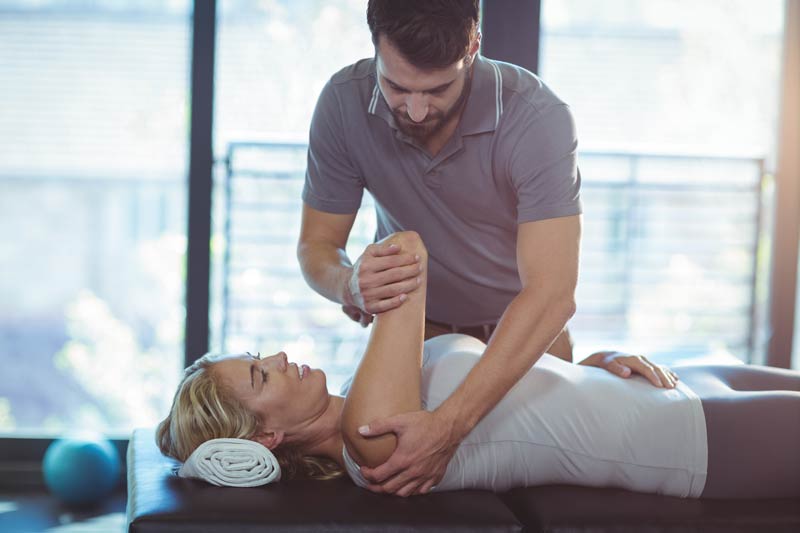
[(281, 361), (417, 106)]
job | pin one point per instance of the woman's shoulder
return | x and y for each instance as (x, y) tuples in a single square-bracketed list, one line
[(443, 345), (446, 361)]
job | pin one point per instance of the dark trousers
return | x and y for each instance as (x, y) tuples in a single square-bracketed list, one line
[(434, 329)]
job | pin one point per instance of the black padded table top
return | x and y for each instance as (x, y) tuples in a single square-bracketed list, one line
[(566, 508), (159, 501)]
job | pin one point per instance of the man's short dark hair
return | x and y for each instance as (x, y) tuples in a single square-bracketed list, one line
[(429, 33)]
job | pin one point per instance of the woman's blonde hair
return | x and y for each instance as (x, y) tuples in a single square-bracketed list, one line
[(205, 409)]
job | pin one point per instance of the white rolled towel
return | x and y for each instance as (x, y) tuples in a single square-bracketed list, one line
[(232, 463)]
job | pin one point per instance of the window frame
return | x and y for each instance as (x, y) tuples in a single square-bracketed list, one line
[(21, 457), (786, 229)]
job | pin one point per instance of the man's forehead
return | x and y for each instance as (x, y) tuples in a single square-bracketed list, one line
[(419, 81), (392, 64)]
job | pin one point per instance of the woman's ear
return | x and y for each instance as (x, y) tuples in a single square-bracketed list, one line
[(269, 439)]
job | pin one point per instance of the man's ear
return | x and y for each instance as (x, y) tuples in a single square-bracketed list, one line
[(271, 439), (475, 45)]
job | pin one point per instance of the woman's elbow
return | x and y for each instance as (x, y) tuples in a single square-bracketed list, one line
[(370, 452)]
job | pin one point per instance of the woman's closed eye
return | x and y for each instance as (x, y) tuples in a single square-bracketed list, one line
[(253, 368)]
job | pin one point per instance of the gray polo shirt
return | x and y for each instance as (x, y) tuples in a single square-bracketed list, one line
[(512, 159)]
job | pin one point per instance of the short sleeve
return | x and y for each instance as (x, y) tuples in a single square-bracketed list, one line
[(332, 183), (543, 165), (353, 470)]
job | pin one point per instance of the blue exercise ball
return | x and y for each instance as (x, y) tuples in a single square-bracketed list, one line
[(81, 471)]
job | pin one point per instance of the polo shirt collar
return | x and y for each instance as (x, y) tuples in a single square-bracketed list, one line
[(484, 103), (377, 103)]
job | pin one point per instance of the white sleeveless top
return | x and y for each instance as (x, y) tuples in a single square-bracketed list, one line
[(571, 424)]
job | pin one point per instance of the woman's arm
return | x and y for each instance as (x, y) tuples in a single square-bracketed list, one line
[(387, 381)]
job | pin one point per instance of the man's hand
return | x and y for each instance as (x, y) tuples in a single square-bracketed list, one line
[(381, 280), (425, 445), (625, 365), (357, 315)]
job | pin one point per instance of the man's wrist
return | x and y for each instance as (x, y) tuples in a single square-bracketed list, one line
[(346, 295), (457, 426)]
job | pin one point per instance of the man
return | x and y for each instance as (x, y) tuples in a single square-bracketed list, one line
[(479, 158)]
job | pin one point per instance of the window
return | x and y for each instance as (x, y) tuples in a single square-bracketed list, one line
[(669, 97), (676, 104), (93, 139), (273, 58)]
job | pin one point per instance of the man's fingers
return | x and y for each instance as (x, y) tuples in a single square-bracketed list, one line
[(620, 369), (379, 264), (380, 474), (648, 371), (408, 489), (382, 250), (666, 376), (381, 306), (392, 275), (402, 480), (388, 472), (374, 487), (374, 429), (390, 291), (427, 486), (658, 375), (652, 375), (663, 374), (369, 475)]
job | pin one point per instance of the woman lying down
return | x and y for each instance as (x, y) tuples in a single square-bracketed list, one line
[(719, 432)]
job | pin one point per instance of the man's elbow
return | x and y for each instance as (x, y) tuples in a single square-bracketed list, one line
[(560, 303), (570, 306)]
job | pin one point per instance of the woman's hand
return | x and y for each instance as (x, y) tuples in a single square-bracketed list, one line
[(625, 365)]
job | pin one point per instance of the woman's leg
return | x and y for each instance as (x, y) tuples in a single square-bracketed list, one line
[(387, 381), (753, 435), (756, 378)]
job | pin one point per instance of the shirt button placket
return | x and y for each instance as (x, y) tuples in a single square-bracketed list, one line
[(433, 179)]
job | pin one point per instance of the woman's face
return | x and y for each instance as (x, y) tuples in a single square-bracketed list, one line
[(284, 395)]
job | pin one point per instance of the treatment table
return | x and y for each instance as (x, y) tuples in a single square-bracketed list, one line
[(161, 502)]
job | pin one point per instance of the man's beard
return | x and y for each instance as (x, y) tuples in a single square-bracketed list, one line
[(434, 122)]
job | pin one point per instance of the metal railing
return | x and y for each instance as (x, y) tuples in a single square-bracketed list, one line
[(669, 257)]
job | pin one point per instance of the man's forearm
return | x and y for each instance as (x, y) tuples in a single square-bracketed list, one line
[(562, 346), (528, 327), (326, 268)]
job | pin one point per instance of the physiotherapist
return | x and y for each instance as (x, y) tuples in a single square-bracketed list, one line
[(479, 158)]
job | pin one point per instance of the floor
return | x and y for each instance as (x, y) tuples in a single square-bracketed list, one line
[(35, 512)]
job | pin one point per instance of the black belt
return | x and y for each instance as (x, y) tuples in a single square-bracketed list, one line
[(483, 332)]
